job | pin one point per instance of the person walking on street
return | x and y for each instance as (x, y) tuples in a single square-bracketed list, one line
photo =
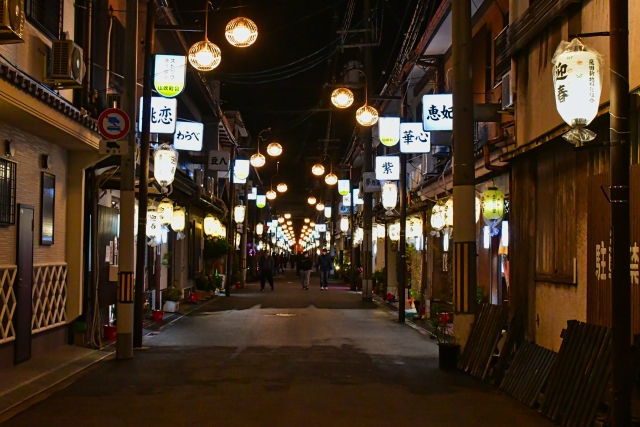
[(305, 270), (267, 266), (325, 263)]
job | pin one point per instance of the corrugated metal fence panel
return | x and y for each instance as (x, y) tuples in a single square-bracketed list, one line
[(634, 207), (598, 236)]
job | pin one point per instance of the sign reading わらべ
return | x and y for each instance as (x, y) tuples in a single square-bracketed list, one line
[(169, 75), (188, 136)]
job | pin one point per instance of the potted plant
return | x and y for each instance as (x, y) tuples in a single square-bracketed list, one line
[(416, 296), (448, 349), (214, 249), (172, 297)]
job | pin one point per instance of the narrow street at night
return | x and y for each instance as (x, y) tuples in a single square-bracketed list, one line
[(286, 357)]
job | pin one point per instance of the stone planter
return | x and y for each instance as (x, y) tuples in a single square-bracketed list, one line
[(171, 306)]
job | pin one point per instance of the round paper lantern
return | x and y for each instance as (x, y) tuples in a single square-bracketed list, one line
[(437, 217), (367, 115), (209, 225), (492, 204), (317, 169), (165, 211), (342, 97), (344, 224), (577, 80), (394, 232), (241, 32), (165, 161), (238, 213), (448, 213), (178, 220), (389, 195)]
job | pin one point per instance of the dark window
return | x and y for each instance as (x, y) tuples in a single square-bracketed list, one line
[(46, 15), (116, 56), (7, 192)]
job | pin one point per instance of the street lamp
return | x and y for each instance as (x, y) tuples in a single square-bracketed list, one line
[(320, 207), (331, 179), (312, 201), (271, 194), (366, 115), (317, 169), (282, 187), (274, 149), (287, 216), (204, 55), (342, 97), (241, 32)]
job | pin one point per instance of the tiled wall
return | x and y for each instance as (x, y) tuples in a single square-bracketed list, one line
[(28, 152)]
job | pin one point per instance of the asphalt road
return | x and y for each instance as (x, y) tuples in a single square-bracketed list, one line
[(286, 358)]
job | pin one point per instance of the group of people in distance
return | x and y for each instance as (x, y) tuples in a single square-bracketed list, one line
[(276, 264)]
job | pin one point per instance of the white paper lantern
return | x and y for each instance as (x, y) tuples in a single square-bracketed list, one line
[(165, 161), (261, 201), (394, 232), (153, 222), (327, 211), (577, 79), (389, 195), (343, 187), (165, 210), (238, 213), (209, 225), (389, 130), (241, 168), (448, 213), (344, 224), (438, 217), (178, 220)]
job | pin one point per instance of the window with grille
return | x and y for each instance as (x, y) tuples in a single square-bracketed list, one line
[(7, 192), (46, 15)]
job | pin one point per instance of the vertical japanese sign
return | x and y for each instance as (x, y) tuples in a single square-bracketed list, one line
[(188, 136), (169, 75), (163, 115), (218, 160), (253, 194), (388, 168), (389, 130), (437, 112), (370, 183), (413, 139)]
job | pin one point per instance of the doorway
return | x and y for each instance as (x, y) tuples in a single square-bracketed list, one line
[(23, 284)]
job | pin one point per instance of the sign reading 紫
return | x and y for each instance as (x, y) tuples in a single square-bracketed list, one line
[(413, 139), (113, 124), (218, 160), (389, 130), (163, 115), (388, 168), (188, 136), (370, 183), (437, 112), (169, 75)]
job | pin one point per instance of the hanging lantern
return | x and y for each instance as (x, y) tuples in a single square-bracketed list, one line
[(241, 32), (413, 227), (205, 56), (165, 211), (259, 229), (280, 220), (271, 194), (342, 97), (238, 237), (257, 160), (282, 187), (448, 213), (135, 219), (394, 232), (478, 208), (241, 168), (492, 204), (209, 225), (389, 195), (317, 169), (287, 216), (261, 201), (367, 115), (327, 211), (165, 161), (222, 230), (380, 230), (577, 80), (273, 239), (307, 220), (153, 222), (312, 224), (389, 130), (343, 187), (274, 149), (344, 224), (311, 200), (331, 179), (320, 207), (437, 217), (178, 220), (238, 213), (289, 222)]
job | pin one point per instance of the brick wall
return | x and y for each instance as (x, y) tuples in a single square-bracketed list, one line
[(29, 150)]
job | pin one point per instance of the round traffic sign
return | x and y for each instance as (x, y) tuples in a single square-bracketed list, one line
[(113, 123)]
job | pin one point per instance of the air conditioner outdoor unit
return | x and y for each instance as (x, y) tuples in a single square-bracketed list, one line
[(507, 95), (11, 21), (67, 65)]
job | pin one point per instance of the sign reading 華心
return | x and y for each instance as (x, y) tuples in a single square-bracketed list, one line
[(188, 136), (437, 112), (218, 160), (169, 74), (388, 168), (163, 115), (413, 139)]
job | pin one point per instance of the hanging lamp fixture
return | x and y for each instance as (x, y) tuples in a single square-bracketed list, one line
[(204, 55)]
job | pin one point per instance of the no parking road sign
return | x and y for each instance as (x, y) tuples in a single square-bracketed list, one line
[(113, 124)]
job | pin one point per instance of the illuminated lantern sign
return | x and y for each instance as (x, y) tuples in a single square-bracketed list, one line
[(413, 139), (492, 204), (343, 187), (387, 168), (261, 201), (241, 168), (163, 115), (389, 130), (437, 112), (578, 82), (170, 71), (188, 136)]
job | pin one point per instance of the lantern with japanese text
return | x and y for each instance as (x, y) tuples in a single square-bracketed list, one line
[(165, 211), (241, 168), (389, 195), (492, 204), (448, 213), (394, 232), (577, 79), (153, 222), (238, 213), (165, 161), (438, 221)]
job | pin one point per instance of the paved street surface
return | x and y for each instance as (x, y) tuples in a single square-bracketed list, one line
[(281, 358)]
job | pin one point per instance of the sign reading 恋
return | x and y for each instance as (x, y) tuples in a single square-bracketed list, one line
[(163, 115), (218, 160), (170, 71), (437, 112)]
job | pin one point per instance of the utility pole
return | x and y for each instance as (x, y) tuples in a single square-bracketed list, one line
[(367, 167), (145, 141), (401, 261), (230, 230), (464, 237), (126, 264), (619, 194), (243, 243), (352, 229)]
